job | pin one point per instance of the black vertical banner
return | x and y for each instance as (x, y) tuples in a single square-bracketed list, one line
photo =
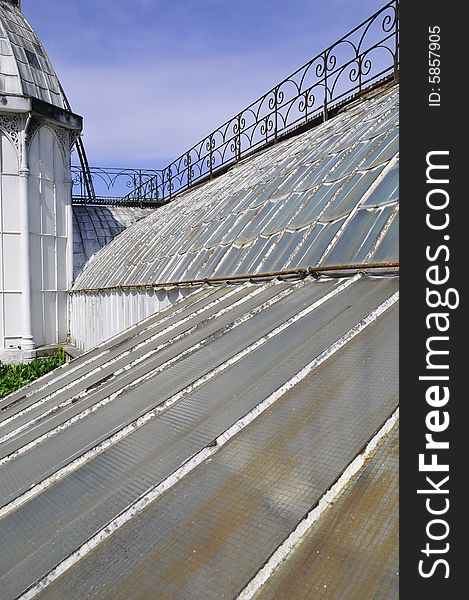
[(434, 355)]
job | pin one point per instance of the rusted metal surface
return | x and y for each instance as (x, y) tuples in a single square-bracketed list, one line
[(200, 358), (352, 551)]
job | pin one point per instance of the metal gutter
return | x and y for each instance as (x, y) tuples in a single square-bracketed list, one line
[(318, 271)]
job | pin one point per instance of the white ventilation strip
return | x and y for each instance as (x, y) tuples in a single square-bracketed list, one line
[(119, 357), (138, 506), (128, 429), (305, 525)]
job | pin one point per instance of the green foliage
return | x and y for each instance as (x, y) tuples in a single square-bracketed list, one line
[(13, 377)]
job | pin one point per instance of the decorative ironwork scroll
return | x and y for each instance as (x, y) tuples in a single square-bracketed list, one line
[(365, 56), (111, 185)]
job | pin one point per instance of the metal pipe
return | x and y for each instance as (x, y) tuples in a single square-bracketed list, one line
[(313, 271)]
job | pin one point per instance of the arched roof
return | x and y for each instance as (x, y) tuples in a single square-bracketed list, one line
[(96, 226), (326, 197), (25, 67)]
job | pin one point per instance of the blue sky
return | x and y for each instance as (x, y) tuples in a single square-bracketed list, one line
[(151, 77)]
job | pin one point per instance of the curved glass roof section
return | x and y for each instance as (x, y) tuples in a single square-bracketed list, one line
[(96, 226), (25, 67), (326, 197)]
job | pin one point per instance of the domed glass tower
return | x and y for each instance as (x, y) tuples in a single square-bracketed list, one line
[(37, 132)]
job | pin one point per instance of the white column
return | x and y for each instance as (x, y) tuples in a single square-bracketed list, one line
[(27, 341), (69, 229), (69, 263)]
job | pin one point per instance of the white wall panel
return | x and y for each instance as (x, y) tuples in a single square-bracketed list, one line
[(47, 144), (62, 201), (34, 204), (12, 311), (62, 283), (48, 263), (9, 195), (49, 196), (34, 165), (9, 157), (11, 262), (97, 317), (10, 303), (37, 317), (62, 315), (47, 207), (59, 171), (36, 270), (49, 300), (2, 332)]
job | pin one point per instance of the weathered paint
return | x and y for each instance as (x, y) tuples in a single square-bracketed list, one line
[(207, 452)]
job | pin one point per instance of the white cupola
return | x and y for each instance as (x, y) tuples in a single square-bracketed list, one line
[(37, 132)]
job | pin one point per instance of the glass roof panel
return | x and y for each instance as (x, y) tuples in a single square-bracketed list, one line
[(318, 240), (388, 248), (359, 236), (351, 194), (317, 201), (250, 259), (280, 194), (384, 152), (32, 75), (387, 190)]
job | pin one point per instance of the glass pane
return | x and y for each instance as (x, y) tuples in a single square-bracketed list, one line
[(196, 269), (225, 259), (354, 158), (388, 249), (290, 207), (318, 173), (359, 236), (318, 200), (284, 250), (251, 257), (225, 235), (262, 264), (309, 243), (292, 181), (384, 152), (387, 190), (317, 242), (254, 228), (351, 195), (215, 256)]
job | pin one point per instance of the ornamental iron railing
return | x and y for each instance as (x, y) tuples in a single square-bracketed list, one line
[(366, 56), (111, 185)]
